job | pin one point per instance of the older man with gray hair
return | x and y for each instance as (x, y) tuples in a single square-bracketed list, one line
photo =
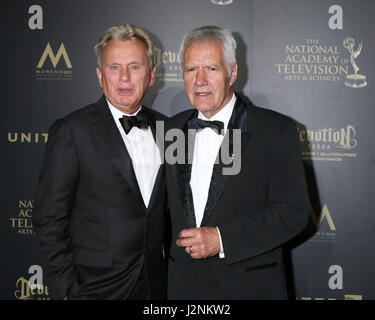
[(100, 210), (228, 231)]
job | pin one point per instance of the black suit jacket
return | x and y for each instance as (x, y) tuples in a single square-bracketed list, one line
[(95, 232), (257, 211)]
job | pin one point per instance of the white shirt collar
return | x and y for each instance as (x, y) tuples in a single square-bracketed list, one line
[(117, 114), (224, 114)]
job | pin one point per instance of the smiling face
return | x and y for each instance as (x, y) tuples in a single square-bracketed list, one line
[(125, 74), (207, 84)]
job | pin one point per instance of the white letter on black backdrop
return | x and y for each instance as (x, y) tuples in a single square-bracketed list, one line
[(335, 282), (336, 21), (36, 20)]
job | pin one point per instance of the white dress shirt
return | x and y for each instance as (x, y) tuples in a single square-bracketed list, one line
[(206, 148), (143, 152)]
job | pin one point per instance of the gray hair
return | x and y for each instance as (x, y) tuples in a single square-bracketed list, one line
[(124, 32), (213, 33)]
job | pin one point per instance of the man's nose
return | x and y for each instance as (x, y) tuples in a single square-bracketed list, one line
[(201, 77), (125, 74)]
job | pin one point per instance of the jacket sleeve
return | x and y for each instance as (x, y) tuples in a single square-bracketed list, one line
[(53, 202), (287, 210)]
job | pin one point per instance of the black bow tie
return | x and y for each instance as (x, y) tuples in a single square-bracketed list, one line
[(140, 121), (197, 124)]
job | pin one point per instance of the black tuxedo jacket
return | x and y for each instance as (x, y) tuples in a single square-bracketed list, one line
[(257, 211), (95, 232)]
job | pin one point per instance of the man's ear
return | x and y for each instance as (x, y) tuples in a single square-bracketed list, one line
[(233, 75), (152, 79), (100, 77)]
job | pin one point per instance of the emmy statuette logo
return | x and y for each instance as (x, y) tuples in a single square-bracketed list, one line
[(354, 80)]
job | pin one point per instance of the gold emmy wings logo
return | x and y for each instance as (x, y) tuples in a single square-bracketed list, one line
[(354, 80)]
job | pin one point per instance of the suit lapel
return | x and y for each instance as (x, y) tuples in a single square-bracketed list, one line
[(156, 189), (183, 173), (159, 140), (239, 120), (114, 145)]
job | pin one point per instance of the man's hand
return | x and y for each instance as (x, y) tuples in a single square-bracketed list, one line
[(199, 242)]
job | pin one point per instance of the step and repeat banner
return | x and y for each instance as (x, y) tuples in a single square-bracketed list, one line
[(310, 60)]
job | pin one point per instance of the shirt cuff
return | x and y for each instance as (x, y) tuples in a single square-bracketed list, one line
[(221, 252)]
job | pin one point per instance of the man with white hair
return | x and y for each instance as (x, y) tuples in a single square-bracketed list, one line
[(228, 229)]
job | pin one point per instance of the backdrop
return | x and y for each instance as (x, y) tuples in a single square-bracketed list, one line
[(310, 60)]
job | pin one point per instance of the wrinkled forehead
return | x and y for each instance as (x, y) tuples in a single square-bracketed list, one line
[(203, 49)]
